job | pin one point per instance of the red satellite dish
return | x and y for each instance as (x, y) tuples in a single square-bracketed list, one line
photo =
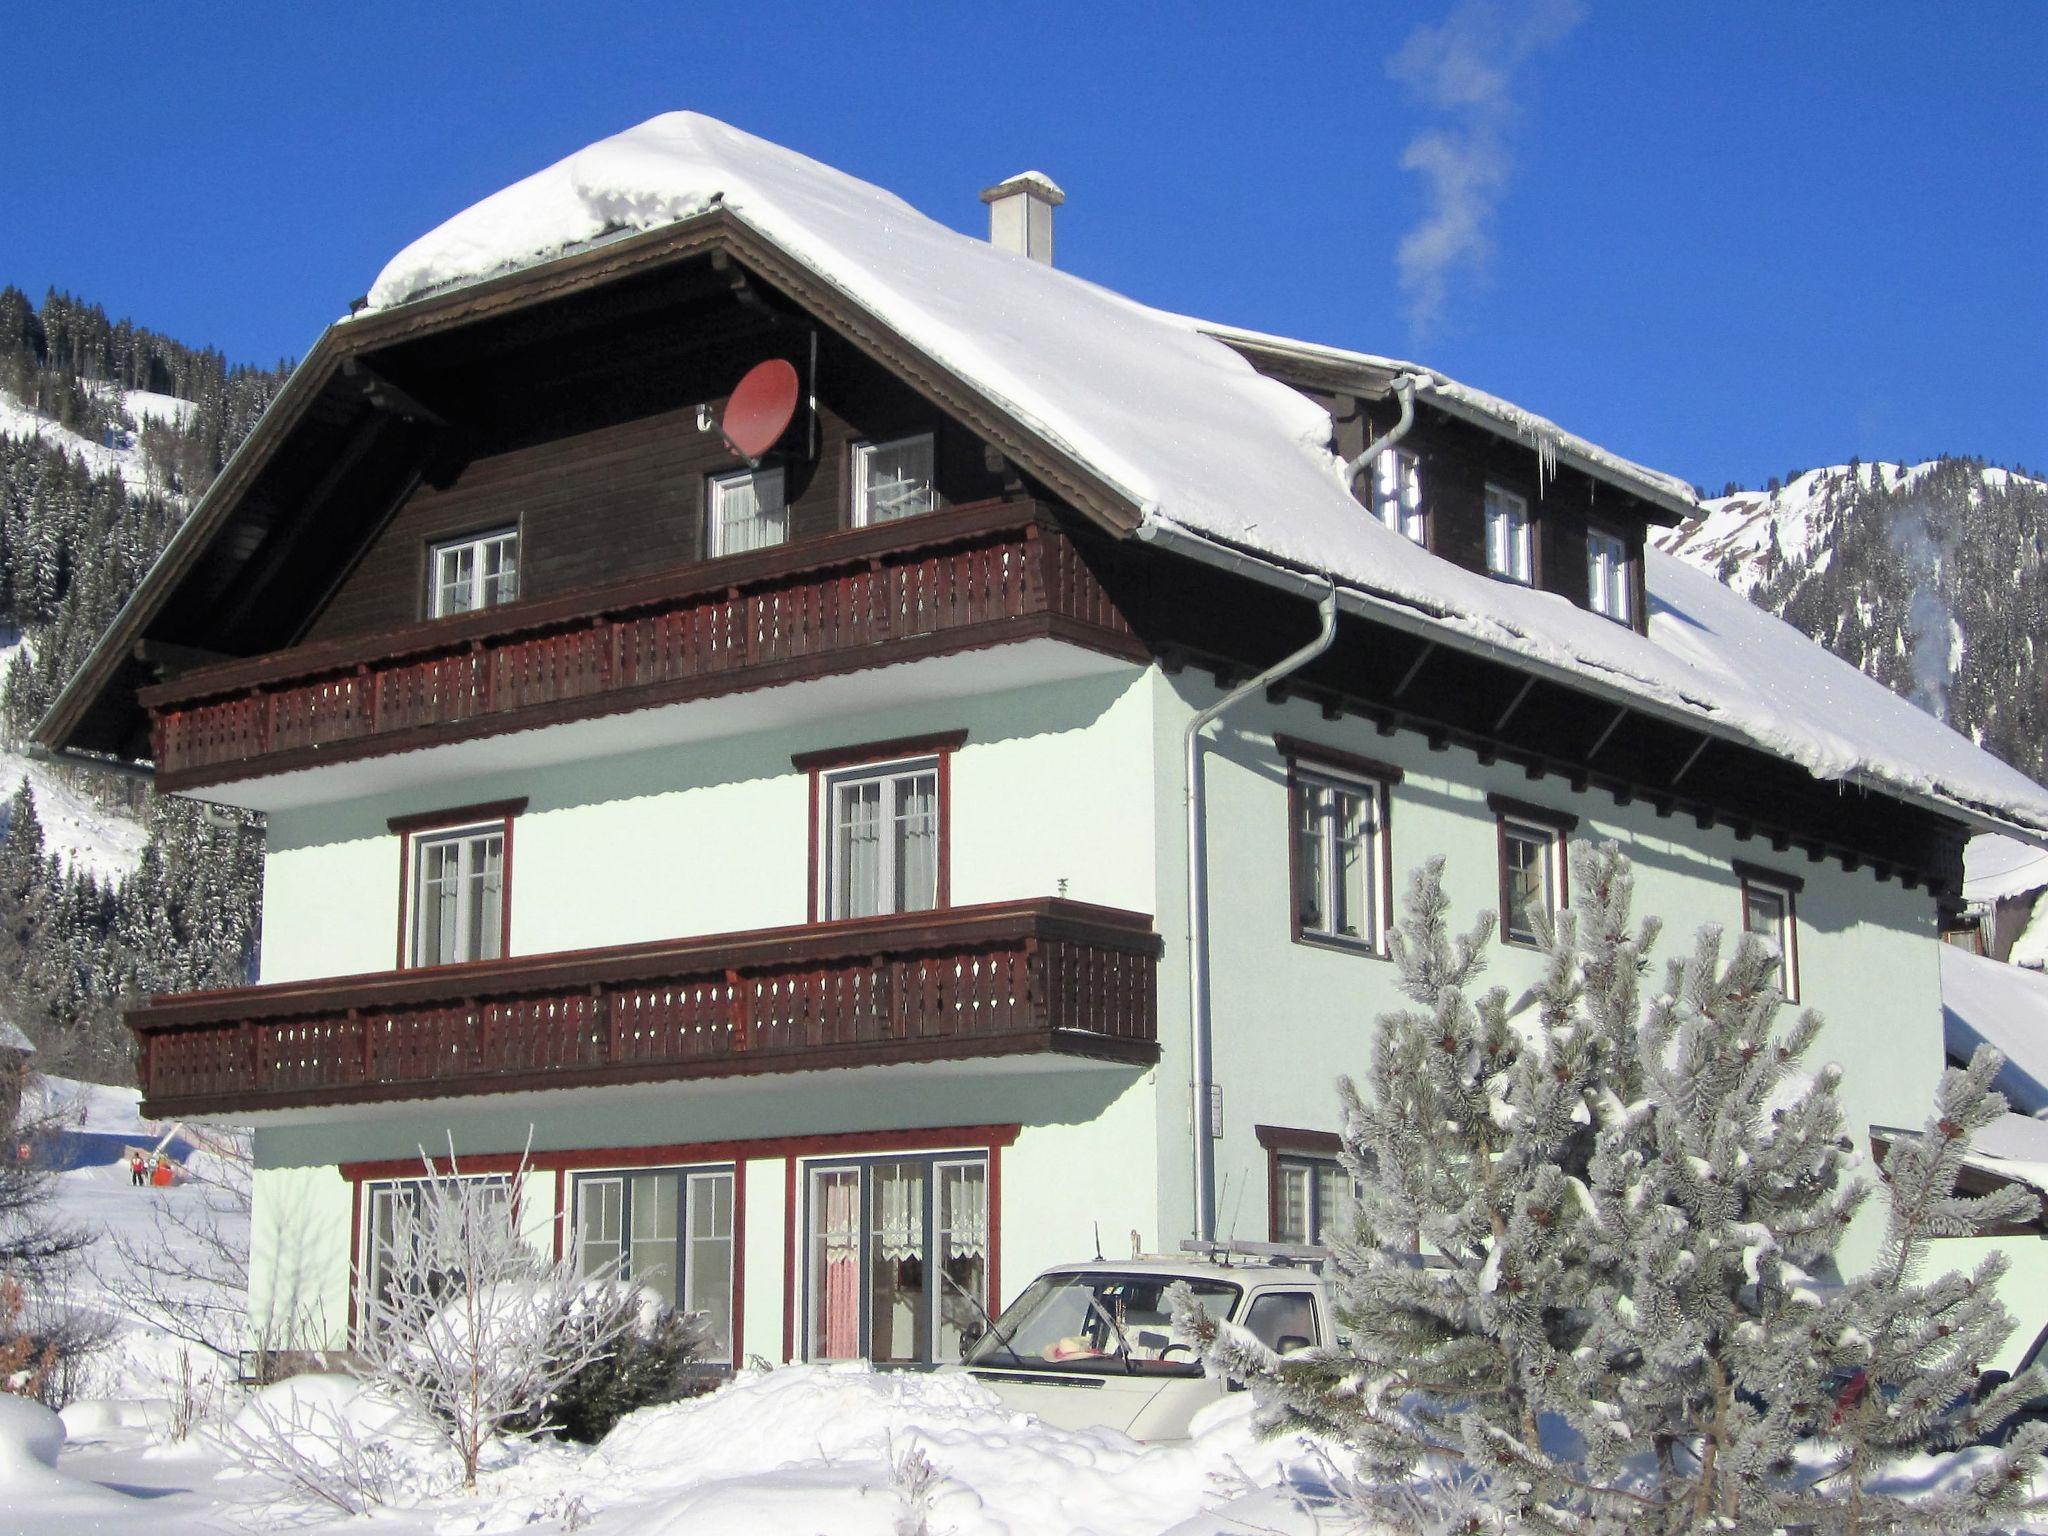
[(761, 407)]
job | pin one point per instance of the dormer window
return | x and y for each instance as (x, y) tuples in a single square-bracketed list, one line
[(1509, 549), (1609, 590), (892, 480), (1397, 494), (474, 573), (747, 511)]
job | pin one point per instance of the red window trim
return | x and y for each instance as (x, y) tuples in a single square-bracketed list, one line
[(941, 745), (1749, 875), (502, 811), (1559, 824), (991, 1139), (973, 1138), (1383, 777), (1282, 1141)]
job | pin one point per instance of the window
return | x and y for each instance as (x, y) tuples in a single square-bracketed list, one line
[(458, 895), (897, 1260), (1340, 858), (892, 480), (474, 573), (669, 1231), (747, 511), (882, 840), (1532, 867), (1311, 1197), (1509, 548), (1397, 494), (1283, 1321), (1769, 910), (395, 1242), (1609, 588)]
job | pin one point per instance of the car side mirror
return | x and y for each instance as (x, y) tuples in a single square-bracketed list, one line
[(1989, 1382)]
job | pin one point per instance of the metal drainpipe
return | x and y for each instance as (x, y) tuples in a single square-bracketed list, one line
[(1202, 1067)]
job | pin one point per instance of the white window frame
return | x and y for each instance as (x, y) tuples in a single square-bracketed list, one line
[(368, 1252), (935, 1164), (1513, 828), (694, 1181), (1786, 936), (865, 512), (478, 548), (718, 487), (470, 837), (1510, 537), (831, 904), (1610, 578), (1315, 1170), (1311, 781), (1397, 494)]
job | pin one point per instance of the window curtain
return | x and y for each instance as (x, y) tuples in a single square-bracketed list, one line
[(899, 1213), (917, 842), (839, 1254), (963, 1212)]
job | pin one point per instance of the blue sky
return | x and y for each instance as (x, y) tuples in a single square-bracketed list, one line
[(1729, 239)]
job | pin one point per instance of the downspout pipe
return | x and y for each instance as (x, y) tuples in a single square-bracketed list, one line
[(1200, 1031), (1203, 1070)]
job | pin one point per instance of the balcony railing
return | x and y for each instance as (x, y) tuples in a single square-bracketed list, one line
[(951, 580), (1029, 977)]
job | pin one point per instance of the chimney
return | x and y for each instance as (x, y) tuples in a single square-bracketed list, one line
[(1020, 214)]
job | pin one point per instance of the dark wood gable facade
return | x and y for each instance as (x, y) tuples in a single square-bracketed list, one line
[(600, 452)]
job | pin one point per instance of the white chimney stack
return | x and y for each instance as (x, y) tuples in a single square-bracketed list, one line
[(1020, 214)]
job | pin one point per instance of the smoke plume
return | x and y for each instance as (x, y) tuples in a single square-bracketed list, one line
[(1462, 72)]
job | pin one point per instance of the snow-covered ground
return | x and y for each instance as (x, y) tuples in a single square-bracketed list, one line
[(792, 1451), (103, 839)]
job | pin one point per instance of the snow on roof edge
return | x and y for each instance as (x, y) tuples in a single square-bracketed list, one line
[(1164, 412), (1665, 489)]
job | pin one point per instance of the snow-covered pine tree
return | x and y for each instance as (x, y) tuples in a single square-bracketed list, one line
[(1580, 1262)]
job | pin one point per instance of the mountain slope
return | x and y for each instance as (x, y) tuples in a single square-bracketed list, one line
[(1931, 577)]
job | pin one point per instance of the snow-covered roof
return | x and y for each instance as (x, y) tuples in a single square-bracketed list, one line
[(1996, 867), (12, 1039), (1987, 1002), (1173, 420)]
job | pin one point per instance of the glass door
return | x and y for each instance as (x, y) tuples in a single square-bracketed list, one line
[(897, 1268)]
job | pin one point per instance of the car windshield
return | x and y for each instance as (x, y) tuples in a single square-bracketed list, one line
[(1102, 1324)]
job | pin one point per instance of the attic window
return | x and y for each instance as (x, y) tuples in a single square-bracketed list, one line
[(1397, 494), (892, 480), (477, 572), (1609, 589), (747, 511), (1509, 551)]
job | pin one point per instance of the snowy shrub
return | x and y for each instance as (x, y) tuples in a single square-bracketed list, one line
[(1577, 1276), (470, 1325), (337, 1443), (658, 1360)]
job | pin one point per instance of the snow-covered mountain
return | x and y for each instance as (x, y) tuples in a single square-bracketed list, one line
[(1932, 577)]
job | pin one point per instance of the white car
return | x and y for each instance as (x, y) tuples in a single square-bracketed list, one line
[(1092, 1344)]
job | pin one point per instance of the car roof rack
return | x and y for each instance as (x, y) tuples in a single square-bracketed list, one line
[(1223, 1251)]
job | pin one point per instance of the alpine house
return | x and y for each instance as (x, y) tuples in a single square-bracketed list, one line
[(888, 764)]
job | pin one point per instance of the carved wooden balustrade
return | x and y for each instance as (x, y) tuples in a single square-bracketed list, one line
[(951, 580), (1040, 976)]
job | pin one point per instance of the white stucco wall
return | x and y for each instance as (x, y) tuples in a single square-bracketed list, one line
[(1290, 1018), (714, 837)]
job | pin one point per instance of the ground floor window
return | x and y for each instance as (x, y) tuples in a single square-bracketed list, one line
[(397, 1250), (669, 1231), (896, 1260)]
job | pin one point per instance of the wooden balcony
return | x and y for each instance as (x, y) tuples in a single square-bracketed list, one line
[(1044, 977), (959, 579)]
